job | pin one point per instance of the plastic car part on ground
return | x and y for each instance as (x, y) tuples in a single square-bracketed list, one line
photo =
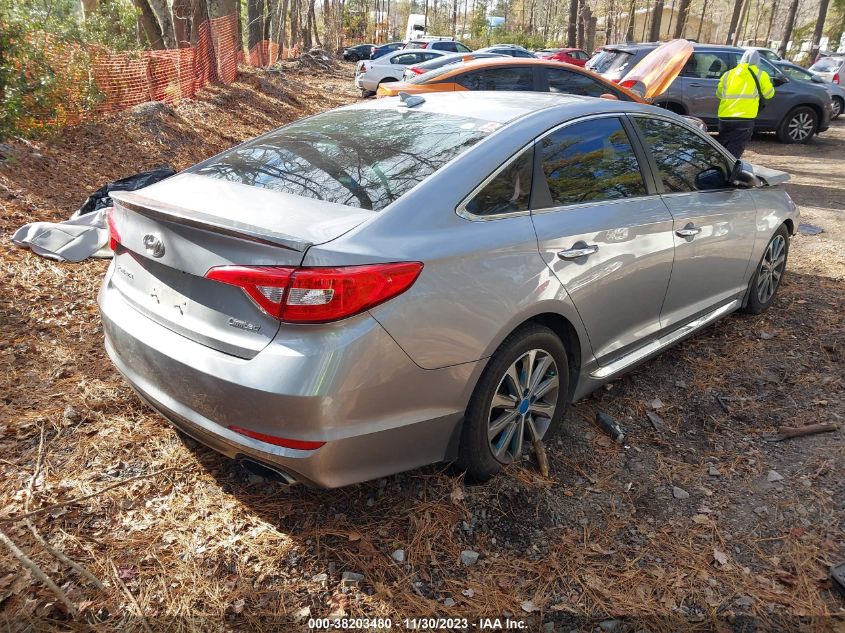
[(86, 233), (656, 71)]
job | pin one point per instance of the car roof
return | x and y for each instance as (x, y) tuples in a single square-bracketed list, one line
[(503, 106), (633, 48)]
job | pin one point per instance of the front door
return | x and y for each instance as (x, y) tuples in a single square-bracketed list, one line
[(714, 222), (603, 232)]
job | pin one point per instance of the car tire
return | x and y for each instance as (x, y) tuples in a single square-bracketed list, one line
[(838, 105), (764, 284), (798, 126), (353, 57), (483, 450)]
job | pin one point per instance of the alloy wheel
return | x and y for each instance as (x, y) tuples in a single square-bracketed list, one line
[(524, 401), (801, 126), (836, 104), (771, 269)]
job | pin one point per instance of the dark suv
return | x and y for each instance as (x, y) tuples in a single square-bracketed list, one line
[(797, 112)]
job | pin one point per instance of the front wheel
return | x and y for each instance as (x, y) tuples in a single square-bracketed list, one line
[(837, 104), (520, 397), (798, 126), (353, 57), (766, 280)]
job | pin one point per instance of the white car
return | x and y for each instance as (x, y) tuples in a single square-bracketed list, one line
[(830, 68), (369, 73)]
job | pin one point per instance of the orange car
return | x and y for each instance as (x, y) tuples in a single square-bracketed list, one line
[(509, 73)]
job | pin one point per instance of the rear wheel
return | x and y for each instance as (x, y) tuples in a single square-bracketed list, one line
[(766, 280), (798, 126), (838, 104), (353, 57), (521, 396)]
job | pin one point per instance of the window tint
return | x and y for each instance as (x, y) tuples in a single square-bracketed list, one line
[(427, 56), (589, 161), (509, 191), (707, 65), (572, 83), (610, 60), (461, 48), (405, 59), (360, 157), (686, 161), (513, 78), (796, 73), (579, 55), (445, 46)]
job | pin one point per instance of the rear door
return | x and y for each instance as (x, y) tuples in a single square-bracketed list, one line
[(696, 85), (565, 81), (714, 223), (603, 231)]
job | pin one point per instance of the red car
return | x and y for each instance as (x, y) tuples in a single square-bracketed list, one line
[(574, 56)]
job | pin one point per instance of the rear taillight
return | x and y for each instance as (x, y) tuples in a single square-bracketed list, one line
[(302, 445), (836, 78), (319, 295), (416, 71), (114, 236)]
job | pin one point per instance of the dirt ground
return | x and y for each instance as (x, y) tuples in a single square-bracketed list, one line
[(696, 522)]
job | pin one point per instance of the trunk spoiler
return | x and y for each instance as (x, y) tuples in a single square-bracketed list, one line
[(166, 212)]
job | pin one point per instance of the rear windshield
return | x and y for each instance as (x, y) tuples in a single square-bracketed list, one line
[(361, 158), (610, 60), (827, 64)]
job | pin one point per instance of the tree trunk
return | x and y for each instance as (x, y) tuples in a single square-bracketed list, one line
[(787, 29), (591, 33), (656, 19), (771, 21), (89, 8), (734, 22), (254, 23), (629, 30), (701, 20), (182, 13), (572, 27), (162, 12), (683, 14), (580, 33), (817, 33), (149, 25), (743, 23)]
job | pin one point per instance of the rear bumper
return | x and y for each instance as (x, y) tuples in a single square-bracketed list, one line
[(347, 384), (365, 84)]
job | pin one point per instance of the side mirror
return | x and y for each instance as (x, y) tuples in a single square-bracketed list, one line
[(711, 178), (779, 80), (742, 175)]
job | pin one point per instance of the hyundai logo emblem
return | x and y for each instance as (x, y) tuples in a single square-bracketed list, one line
[(153, 245)]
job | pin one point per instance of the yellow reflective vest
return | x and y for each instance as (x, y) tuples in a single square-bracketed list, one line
[(737, 92)]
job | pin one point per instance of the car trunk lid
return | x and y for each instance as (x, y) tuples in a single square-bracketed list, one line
[(172, 233)]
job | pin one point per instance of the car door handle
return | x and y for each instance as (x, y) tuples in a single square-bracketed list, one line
[(695, 84), (690, 230), (578, 250)]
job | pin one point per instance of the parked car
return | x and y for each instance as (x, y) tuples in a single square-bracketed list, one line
[(370, 74), (357, 52), (511, 50), (384, 49), (797, 112), (445, 60), (392, 284), (507, 73), (830, 68), (765, 53), (447, 45), (574, 56), (836, 92)]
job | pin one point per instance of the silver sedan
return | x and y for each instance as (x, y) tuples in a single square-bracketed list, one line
[(398, 283)]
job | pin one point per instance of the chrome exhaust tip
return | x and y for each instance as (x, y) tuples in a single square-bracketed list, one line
[(265, 470)]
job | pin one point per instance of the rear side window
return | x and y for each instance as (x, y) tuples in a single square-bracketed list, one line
[(591, 161), (405, 59), (707, 65), (461, 48), (572, 83), (513, 78), (445, 46), (508, 192), (361, 158), (685, 161)]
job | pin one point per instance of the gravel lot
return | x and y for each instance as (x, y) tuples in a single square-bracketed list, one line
[(697, 521)]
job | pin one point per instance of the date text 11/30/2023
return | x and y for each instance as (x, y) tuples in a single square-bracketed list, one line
[(418, 624)]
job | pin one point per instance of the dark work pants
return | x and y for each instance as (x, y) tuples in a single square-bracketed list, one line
[(734, 134)]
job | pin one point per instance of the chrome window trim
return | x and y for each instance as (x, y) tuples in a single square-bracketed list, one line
[(461, 209), (659, 115), (593, 203)]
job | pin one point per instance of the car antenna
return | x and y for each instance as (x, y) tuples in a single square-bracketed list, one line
[(409, 100)]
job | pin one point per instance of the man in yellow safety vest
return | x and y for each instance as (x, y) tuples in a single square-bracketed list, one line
[(740, 91)]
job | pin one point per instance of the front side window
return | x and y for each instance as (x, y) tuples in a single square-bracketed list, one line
[(461, 48), (361, 158), (573, 83), (591, 161), (405, 59), (508, 192), (686, 161), (707, 65), (797, 73), (513, 78)]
